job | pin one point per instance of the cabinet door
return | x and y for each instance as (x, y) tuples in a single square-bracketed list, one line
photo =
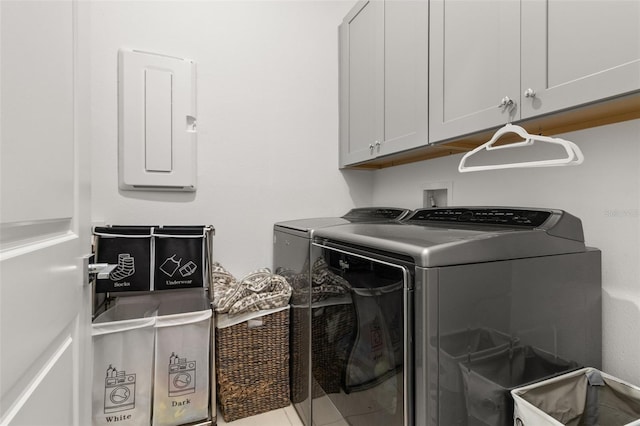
[(474, 53), (575, 52), (406, 25), (362, 82)]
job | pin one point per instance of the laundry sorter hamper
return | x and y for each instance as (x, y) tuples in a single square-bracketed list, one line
[(252, 362), (123, 346), (582, 397), (154, 338)]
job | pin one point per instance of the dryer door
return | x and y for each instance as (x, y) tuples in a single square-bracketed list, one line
[(360, 345)]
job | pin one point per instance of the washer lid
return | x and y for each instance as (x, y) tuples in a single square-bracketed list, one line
[(453, 236), (306, 227)]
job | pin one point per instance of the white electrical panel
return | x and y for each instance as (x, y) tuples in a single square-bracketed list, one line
[(156, 122)]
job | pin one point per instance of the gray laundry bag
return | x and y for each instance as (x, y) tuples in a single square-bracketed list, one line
[(586, 397), (123, 344)]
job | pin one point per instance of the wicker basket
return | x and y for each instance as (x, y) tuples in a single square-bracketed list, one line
[(252, 367)]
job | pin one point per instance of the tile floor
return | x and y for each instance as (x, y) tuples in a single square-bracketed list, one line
[(360, 408), (282, 417)]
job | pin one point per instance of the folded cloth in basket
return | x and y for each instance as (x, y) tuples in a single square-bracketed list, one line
[(222, 281), (257, 291)]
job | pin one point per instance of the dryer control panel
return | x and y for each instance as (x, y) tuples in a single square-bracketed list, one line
[(369, 214)]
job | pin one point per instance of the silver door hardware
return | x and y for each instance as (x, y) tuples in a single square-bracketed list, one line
[(506, 102), (530, 93), (101, 270), (96, 270)]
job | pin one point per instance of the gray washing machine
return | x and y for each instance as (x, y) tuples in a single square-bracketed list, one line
[(291, 258), (450, 310)]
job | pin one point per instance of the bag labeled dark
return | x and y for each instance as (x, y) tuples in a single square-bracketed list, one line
[(180, 257), (129, 248)]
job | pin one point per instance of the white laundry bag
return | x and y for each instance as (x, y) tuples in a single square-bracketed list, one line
[(583, 397), (123, 344), (181, 377)]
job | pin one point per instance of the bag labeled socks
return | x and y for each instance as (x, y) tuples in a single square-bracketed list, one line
[(129, 248)]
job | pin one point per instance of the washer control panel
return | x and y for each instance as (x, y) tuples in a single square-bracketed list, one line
[(485, 216)]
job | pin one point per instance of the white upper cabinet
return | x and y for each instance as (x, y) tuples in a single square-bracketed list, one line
[(383, 79), (543, 55), (577, 52), (475, 61)]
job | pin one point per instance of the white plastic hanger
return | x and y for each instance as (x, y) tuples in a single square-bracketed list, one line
[(573, 158)]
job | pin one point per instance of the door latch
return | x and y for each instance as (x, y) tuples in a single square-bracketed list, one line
[(93, 270)]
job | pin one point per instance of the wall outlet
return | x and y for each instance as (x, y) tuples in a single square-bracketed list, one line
[(435, 198), (436, 194)]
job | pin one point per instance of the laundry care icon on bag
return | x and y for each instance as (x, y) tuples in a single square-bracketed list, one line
[(119, 391), (182, 376), (171, 265), (188, 269), (126, 267)]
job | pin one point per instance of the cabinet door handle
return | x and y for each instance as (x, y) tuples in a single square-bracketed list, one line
[(505, 102), (529, 93), (374, 145)]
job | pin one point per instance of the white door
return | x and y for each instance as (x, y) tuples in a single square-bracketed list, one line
[(44, 214)]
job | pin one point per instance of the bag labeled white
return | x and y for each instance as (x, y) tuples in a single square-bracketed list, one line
[(123, 339)]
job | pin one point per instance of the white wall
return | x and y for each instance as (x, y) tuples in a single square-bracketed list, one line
[(604, 192), (267, 117)]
